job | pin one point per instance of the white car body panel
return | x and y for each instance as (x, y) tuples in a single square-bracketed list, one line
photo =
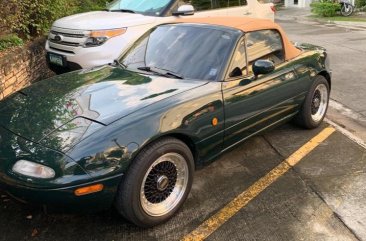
[(80, 25)]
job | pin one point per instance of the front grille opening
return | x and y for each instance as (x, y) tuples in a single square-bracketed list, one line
[(65, 43), (71, 35)]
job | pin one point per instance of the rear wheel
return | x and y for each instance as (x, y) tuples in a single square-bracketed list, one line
[(315, 105), (157, 183)]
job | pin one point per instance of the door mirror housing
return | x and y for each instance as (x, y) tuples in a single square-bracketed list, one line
[(184, 10), (262, 66)]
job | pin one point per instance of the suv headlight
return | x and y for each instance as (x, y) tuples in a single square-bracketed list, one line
[(32, 169), (97, 38)]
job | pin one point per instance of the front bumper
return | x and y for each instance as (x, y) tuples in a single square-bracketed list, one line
[(57, 192), (89, 57), (63, 199)]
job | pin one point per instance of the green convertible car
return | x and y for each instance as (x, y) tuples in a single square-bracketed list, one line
[(130, 134)]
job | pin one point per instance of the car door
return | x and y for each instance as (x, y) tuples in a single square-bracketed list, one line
[(255, 103)]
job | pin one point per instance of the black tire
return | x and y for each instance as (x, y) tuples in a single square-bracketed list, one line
[(305, 117), (129, 200)]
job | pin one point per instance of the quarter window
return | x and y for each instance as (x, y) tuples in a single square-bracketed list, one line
[(239, 61), (264, 44)]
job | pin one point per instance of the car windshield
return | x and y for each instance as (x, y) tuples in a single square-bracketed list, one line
[(184, 50), (146, 7)]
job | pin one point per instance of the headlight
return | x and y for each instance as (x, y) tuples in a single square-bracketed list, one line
[(33, 169), (98, 38)]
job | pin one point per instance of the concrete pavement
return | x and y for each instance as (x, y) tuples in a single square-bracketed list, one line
[(347, 51), (321, 198)]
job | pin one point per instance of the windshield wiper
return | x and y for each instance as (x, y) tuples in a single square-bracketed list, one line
[(163, 72), (122, 10)]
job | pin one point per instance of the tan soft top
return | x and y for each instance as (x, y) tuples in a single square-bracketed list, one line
[(247, 25)]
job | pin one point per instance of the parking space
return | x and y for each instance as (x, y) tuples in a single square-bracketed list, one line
[(320, 198)]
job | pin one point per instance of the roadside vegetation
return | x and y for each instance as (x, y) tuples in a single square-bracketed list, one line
[(10, 40), (325, 8), (22, 20), (329, 9)]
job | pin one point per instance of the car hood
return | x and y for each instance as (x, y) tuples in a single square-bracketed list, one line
[(74, 105), (103, 20)]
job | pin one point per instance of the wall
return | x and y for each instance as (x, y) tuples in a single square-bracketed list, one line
[(22, 66)]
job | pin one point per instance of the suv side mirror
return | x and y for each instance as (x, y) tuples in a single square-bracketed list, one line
[(184, 10), (262, 66)]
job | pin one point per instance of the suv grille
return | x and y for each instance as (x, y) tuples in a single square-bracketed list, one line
[(68, 34), (65, 43), (67, 40)]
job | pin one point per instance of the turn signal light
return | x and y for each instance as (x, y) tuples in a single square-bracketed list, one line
[(89, 189), (110, 33), (215, 121)]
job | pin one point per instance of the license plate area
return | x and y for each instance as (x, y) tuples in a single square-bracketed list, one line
[(56, 59)]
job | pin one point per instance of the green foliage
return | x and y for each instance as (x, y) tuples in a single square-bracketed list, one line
[(360, 4), (90, 5), (9, 41), (325, 8), (362, 9), (30, 18)]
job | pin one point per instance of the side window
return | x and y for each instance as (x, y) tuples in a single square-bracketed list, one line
[(201, 5), (264, 44), (239, 62)]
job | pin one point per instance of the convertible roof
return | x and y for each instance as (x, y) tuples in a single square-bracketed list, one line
[(247, 25)]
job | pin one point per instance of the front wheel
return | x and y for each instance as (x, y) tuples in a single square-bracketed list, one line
[(347, 10), (157, 183), (315, 105)]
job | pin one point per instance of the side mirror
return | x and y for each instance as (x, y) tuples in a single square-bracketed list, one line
[(262, 66), (184, 10)]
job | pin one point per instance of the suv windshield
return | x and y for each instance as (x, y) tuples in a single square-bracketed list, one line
[(187, 51), (146, 7)]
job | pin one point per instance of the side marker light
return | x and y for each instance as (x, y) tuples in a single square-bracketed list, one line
[(88, 190)]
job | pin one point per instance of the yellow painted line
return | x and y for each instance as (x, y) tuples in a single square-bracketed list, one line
[(223, 215)]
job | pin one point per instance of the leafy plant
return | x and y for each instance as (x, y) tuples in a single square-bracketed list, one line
[(325, 8), (31, 18), (90, 5), (10, 40), (361, 4)]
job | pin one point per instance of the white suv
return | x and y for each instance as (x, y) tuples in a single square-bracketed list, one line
[(97, 38)]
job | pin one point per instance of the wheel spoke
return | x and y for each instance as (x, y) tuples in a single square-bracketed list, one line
[(319, 103), (162, 187)]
